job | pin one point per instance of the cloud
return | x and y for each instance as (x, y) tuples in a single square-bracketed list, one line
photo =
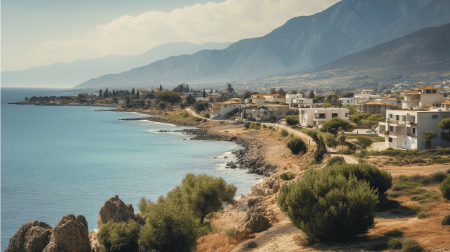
[(227, 21)]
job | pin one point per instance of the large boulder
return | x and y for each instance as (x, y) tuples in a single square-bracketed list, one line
[(114, 209), (71, 234), (93, 239), (255, 221), (31, 237)]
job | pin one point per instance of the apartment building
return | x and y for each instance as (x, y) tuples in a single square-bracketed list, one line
[(423, 96), (404, 128), (373, 107), (223, 108)]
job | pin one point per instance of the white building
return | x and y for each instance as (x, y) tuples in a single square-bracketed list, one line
[(223, 108), (264, 112), (298, 101), (352, 101), (261, 98), (423, 96), (318, 116), (404, 128)]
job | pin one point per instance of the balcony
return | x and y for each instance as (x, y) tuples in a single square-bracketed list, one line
[(411, 134), (400, 133)]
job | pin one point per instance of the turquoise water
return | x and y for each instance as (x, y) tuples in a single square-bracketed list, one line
[(60, 160)]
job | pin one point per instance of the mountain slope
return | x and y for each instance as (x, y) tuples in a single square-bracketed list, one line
[(69, 74), (302, 43), (421, 56)]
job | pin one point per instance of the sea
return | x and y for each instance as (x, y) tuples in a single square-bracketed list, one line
[(57, 160)]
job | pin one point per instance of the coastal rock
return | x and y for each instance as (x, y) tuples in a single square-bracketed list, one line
[(254, 221), (114, 209), (71, 234), (93, 240), (31, 237), (253, 201)]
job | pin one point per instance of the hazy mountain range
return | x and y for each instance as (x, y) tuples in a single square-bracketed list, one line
[(302, 43), (73, 73)]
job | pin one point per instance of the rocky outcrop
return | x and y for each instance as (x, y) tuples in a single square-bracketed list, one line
[(114, 209), (93, 240), (31, 237), (255, 221), (71, 234)]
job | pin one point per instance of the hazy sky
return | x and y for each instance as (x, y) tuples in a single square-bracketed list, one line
[(41, 32)]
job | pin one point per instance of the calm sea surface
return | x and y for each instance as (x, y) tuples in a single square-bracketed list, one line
[(60, 160)]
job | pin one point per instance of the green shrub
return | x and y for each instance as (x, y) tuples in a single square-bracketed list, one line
[(422, 216), (328, 206), (334, 124), (346, 151), (393, 233), (394, 244), (273, 119), (329, 139), (296, 145), (284, 133), (264, 126), (118, 236), (287, 176), (292, 120), (364, 142), (445, 188), (168, 227), (378, 179), (271, 128), (247, 125), (230, 232), (411, 245), (291, 136), (446, 220), (335, 160)]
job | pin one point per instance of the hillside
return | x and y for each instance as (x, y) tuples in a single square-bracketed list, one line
[(421, 56), (70, 74), (302, 43)]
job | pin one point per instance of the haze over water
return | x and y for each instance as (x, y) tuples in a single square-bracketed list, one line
[(59, 160)]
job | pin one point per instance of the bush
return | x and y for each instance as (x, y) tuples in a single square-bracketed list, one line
[(168, 228), (118, 236), (329, 139), (207, 115), (394, 244), (411, 245), (332, 126), (445, 188), (329, 207), (247, 125), (446, 220), (296, 145), (393, 233), (287, 176), (284, 133), (292, 120), (335, 160), (273, 119), (378, 179), (162, 105), (364, 142)]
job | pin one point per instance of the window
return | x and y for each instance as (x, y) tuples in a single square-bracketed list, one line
[(445, 116), (390, 115), (390, 139), (321, 115), (414, 130), (428, 91), (334, 115), (434, 91), (397, 117), (346, 114), (434, 117), (391, 128)]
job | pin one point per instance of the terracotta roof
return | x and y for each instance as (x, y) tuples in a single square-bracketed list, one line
[(374, 103), (427, 87), (391, 98), (262, 95), (412, 92), (445, 103), (225, 103)]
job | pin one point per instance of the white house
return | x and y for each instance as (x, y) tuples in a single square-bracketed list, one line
[(404, 128), (264, 112), (222, 108), (352, 101), (298, 101), (261, 98), (318, 116), (423, 96)]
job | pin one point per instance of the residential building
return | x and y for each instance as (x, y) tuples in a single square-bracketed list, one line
[(352, 101), (367, 94), (373, 107), (223, 108), (423, 96), (264, 112), (309, 117), (261, 98), (393, 101), (298, 101), (404, 128)]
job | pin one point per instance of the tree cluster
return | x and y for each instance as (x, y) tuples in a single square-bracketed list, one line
[(173, 223), (336, 203)]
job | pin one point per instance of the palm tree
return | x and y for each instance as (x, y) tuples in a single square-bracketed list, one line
[(342, 139), (428, 136)]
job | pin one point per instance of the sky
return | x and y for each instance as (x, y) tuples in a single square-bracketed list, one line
[(42, 32)]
